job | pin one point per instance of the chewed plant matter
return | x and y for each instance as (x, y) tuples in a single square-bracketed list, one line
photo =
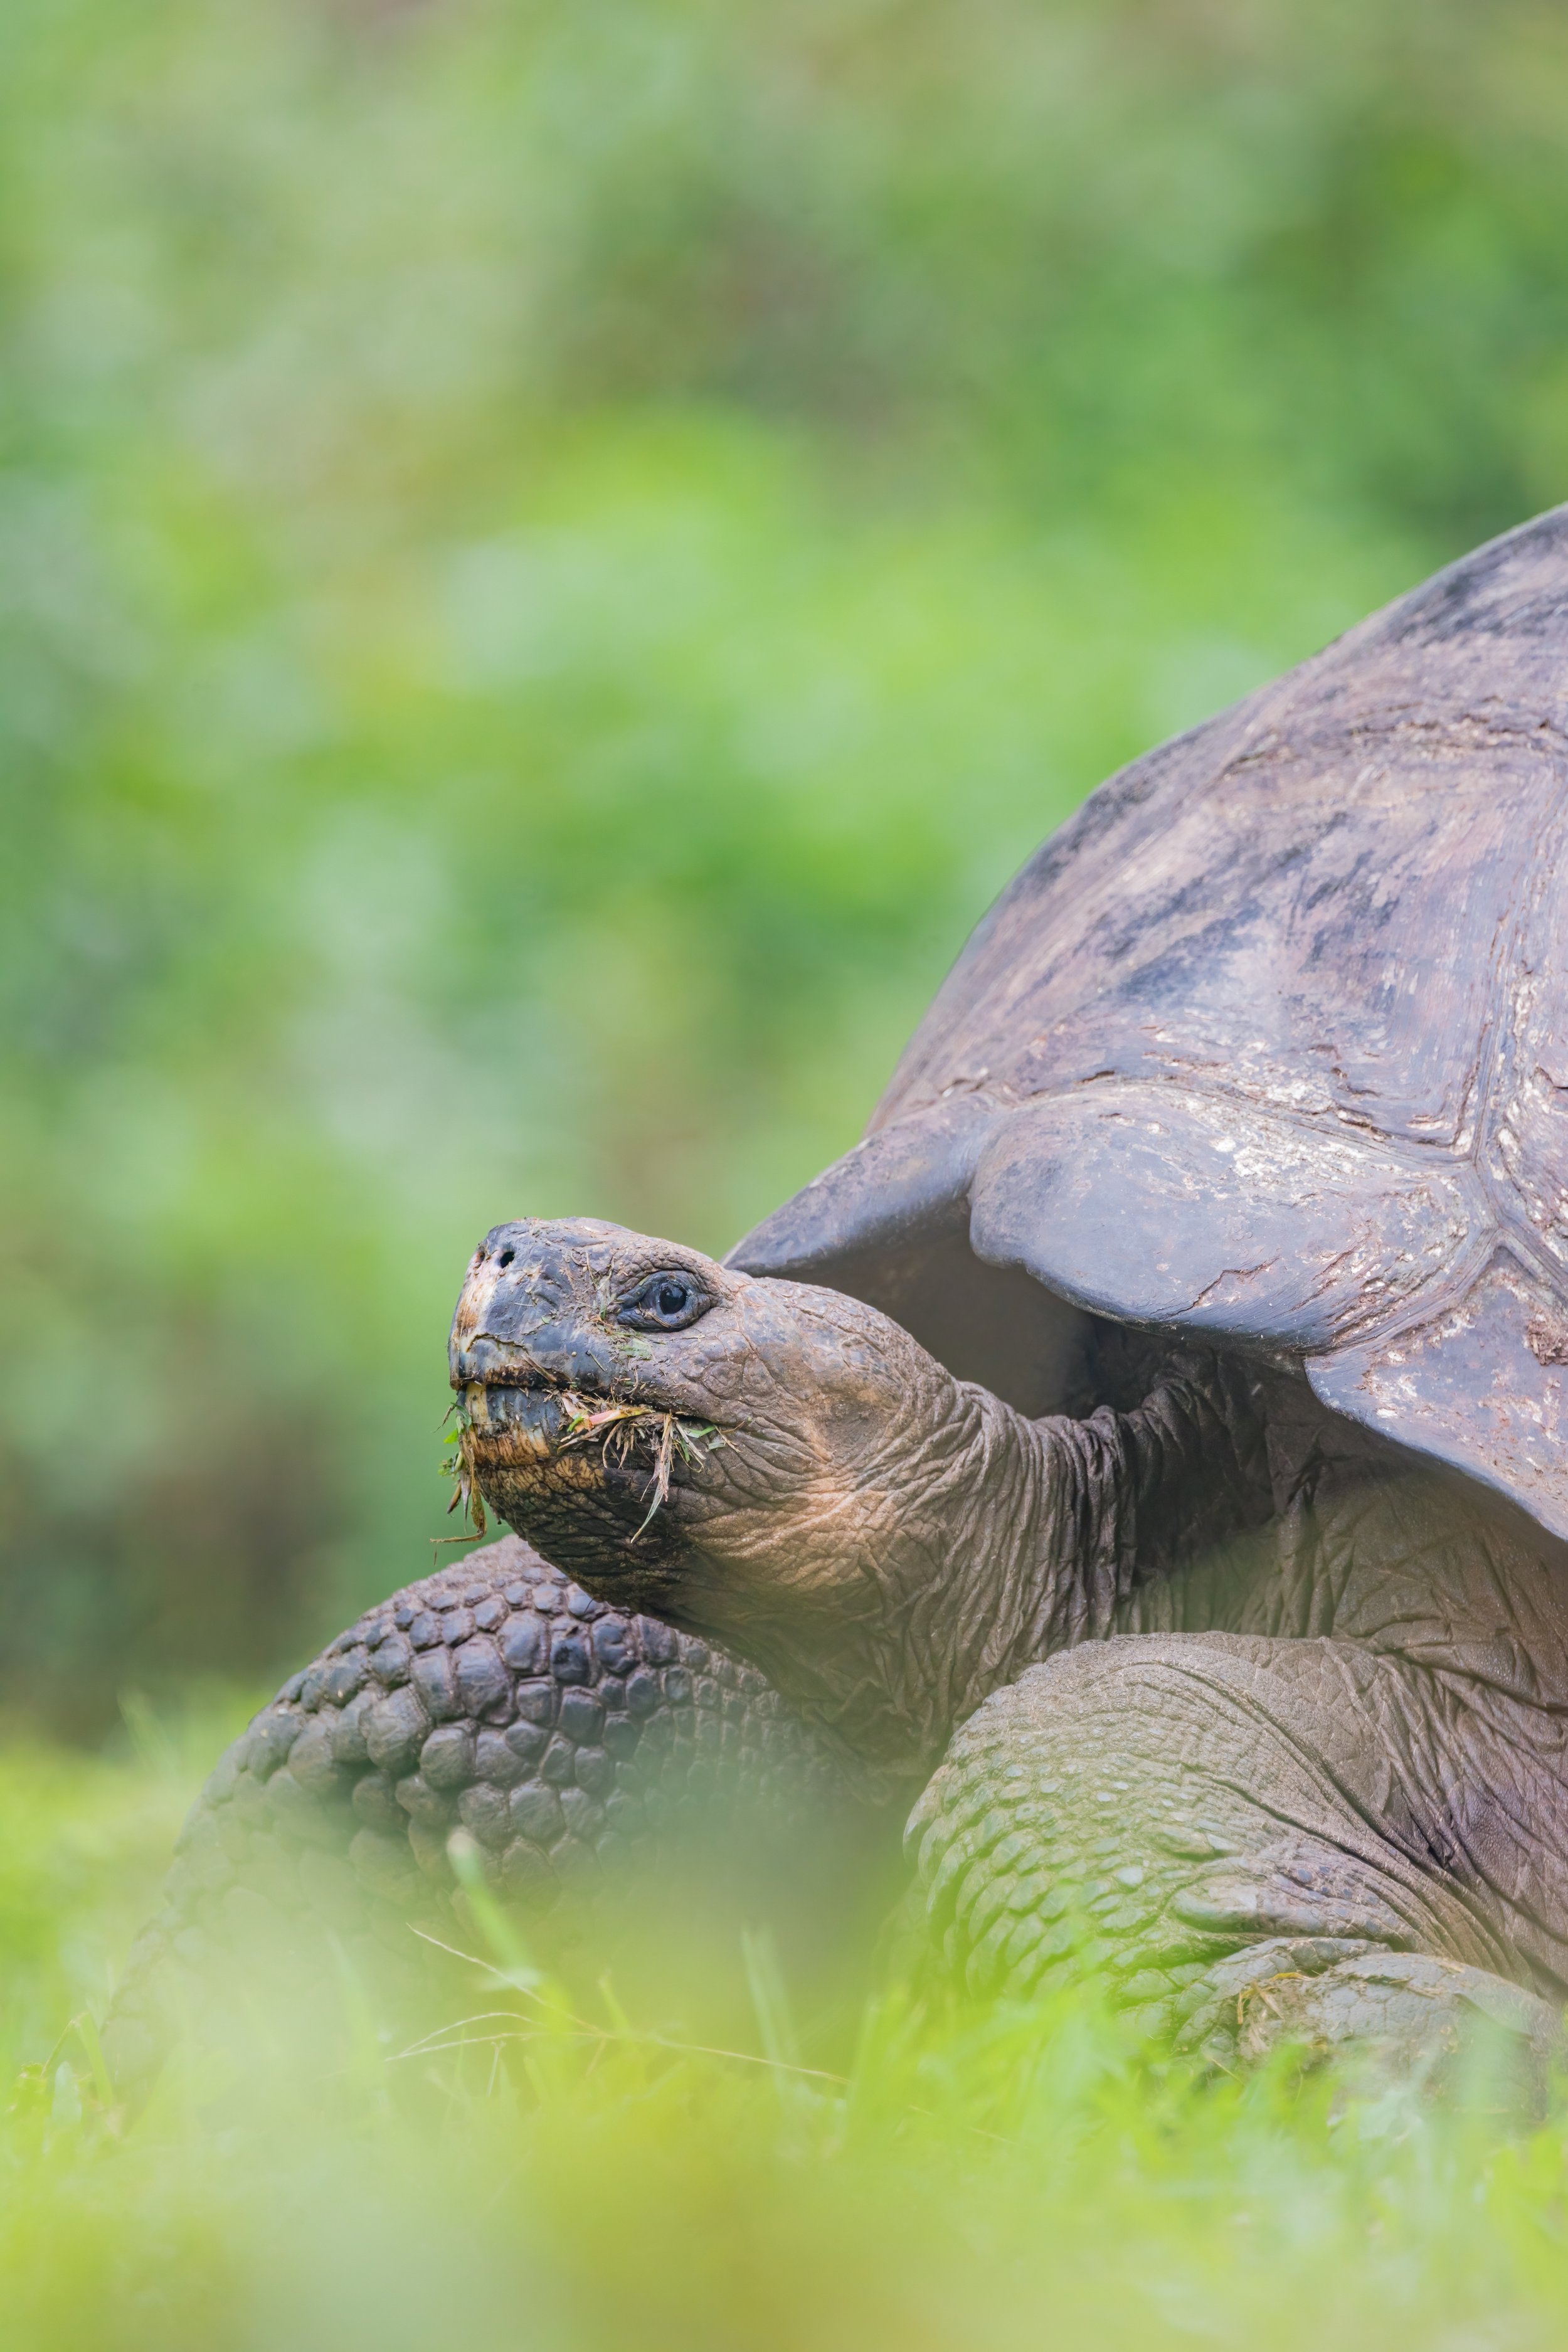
[(623, 1430)]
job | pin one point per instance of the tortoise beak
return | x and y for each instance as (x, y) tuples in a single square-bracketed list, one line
[(522, 1320), (511, 1418), (523, 1352)]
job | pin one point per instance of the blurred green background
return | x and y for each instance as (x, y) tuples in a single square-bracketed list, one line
[(553, 559)]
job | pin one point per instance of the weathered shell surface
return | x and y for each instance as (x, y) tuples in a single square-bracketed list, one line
[(1271, 1042)]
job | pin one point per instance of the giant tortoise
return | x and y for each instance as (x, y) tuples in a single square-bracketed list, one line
[(1146, 1452)]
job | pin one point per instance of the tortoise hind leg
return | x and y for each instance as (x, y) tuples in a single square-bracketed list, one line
[(1244, 1862)]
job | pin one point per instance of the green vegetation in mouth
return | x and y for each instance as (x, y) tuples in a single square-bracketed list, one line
[(622, 1429), (457, 1465)]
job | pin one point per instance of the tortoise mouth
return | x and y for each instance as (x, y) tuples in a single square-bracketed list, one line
[(549, 1410), (495, 1408), (532, 1438), (532, 1427)]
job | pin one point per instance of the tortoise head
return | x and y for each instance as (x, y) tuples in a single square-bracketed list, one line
[(731, 1452)]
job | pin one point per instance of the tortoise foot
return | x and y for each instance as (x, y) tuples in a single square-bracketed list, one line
[(1458, 2034)]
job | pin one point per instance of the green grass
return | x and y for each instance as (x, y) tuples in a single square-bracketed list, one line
[(1016, 2178)]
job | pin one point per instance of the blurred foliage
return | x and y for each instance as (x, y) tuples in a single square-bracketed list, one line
[(551, 559), (553, 2174)]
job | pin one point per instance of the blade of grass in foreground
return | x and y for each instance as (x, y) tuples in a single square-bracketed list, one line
[(556, 2169)]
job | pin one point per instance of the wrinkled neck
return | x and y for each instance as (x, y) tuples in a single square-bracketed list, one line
[(1006, 1539)]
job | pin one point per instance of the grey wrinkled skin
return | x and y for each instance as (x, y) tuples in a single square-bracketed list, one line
[(1230, 1689), (570, 1740)]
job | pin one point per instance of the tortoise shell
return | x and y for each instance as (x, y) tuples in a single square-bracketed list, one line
[(1269, 1044)]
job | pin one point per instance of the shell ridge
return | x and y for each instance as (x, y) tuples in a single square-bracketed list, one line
[(1269, 1042)]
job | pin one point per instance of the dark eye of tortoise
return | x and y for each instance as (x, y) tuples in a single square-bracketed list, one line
[(666, 1302)]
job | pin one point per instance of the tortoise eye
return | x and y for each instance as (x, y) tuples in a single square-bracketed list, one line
[(665, 1302)]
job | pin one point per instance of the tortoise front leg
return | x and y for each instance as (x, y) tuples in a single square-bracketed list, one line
[(579, 1746), (1232, 1829)]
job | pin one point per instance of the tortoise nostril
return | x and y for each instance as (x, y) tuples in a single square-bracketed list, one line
[(506, 1257)]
